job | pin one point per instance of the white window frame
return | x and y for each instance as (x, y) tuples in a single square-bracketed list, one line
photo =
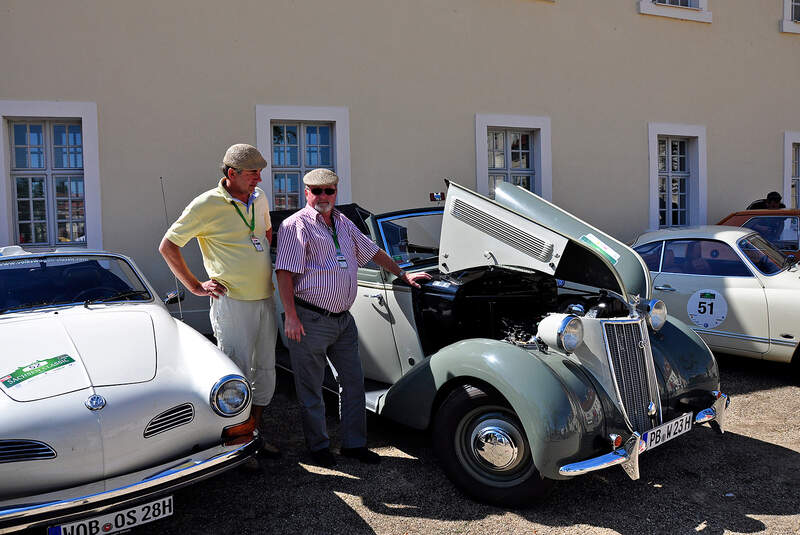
[(541, 146), (340, 116), (697, 187), (789, 25), (790, 138), (698, 13), (31, 109)]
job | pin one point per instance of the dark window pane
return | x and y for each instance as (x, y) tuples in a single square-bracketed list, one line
[(277, 134), (76, 186), (39, 211), (279, 183), (651, 253), (40, 232), (23, 210), (312, 157), (311, 135), (35, 135), (324, 135), (21, 158), (59, 134), (292, 159), (525, 142), (292, 201), (20, 134), (25, 233), (22, 188), (77, 210), (292, 182), (62, 185), (37, 187), (62, 210), (63, 232), (60, 157), (75, 137), (291, 135), (325, 157)]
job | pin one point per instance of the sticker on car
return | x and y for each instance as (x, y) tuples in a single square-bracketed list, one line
[(39, 367), (707, 308), (601, 247)]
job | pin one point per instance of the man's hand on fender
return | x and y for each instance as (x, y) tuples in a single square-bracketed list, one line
[(294, 328), (412, 278)]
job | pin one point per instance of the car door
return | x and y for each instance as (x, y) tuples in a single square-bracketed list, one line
[(707, 285)]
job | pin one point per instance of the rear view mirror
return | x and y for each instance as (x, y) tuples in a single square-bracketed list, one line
[(174, 296)]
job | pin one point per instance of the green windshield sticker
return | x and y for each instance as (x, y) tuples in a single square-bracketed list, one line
[(707, 295), (597, 244), (35, 368)]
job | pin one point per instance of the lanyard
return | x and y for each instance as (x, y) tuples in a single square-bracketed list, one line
[(252, 224), (332, 230)]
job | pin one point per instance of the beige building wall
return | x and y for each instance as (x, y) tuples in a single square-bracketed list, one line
[(175, 83)]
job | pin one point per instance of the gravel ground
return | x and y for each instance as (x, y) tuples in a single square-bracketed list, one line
[(745, 481)]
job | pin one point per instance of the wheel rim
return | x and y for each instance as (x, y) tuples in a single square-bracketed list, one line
[(491, 446)]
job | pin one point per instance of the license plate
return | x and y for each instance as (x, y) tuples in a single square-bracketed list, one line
[(667, 431), (119, 521)]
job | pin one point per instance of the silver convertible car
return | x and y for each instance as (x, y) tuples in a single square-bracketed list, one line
[(107, 404), (520, 386)]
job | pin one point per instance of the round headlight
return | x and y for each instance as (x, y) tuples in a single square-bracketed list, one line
[(657, 315), (564, 331), (230, 395)]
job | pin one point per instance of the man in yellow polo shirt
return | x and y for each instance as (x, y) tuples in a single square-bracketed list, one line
[(232, 226)]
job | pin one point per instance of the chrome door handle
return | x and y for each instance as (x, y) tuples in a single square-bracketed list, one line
[(665, 288), (379, 297)]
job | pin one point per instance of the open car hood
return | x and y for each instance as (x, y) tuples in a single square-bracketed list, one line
[(48, 355), (521, 229)]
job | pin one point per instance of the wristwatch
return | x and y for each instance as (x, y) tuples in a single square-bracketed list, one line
[(402, 274)]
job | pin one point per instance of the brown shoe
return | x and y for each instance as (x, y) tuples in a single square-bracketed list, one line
[(268, 451)]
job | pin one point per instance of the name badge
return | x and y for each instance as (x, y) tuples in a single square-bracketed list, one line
[(257, 243), (342, 261)]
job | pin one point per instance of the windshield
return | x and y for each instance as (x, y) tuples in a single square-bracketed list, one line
[(37, 282), (412, 238), (766, 258)]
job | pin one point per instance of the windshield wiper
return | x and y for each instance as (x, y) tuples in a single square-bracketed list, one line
[(34, 304), (119, 295)]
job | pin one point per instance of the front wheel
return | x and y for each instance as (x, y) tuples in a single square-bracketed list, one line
[(483, 449)]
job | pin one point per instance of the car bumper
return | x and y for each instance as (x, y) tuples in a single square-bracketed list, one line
[(628, 455), (87, 500)]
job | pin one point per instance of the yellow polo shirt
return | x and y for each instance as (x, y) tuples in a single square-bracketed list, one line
[(224, 238)]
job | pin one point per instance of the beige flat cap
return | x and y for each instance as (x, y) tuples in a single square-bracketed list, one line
[(243, 156), (320, 177)]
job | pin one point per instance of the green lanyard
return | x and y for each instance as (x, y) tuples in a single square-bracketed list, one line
[(332, 230), (252, 224)]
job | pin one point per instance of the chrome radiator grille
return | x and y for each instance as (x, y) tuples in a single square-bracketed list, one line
[(629, 359), (170, 419), (24, 450)]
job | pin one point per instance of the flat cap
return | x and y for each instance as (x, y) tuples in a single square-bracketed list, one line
[(320, 177), (243, 156)]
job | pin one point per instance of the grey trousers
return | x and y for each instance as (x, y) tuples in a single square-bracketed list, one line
[(336, 339)]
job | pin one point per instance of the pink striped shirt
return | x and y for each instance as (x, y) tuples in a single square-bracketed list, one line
[(306, 248)]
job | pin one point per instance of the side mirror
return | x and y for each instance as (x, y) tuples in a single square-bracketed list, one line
[(174, 296)]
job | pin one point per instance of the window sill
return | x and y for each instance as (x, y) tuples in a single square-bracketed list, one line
[(790, 26), (648, 7)]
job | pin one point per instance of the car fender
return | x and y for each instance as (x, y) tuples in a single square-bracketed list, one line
[(687, 367), (551, 405)]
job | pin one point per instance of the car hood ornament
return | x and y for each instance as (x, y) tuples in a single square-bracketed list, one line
[(95, 402)]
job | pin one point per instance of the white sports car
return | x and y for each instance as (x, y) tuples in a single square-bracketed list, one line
[(736, 290), (107, 404)]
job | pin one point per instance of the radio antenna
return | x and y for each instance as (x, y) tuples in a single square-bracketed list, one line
[(166, 222)]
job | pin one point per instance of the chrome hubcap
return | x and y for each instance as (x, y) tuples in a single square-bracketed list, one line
[(494, 446)]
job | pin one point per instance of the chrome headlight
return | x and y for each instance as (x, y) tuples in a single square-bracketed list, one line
[(230, 395), (564, 331), (656, 314)]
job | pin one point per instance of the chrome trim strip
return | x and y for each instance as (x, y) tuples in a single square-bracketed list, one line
[(726, 334), (183, 471)]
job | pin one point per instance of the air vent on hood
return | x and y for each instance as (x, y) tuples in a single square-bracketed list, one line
[(502, 231), (170, 419), (13, 451)]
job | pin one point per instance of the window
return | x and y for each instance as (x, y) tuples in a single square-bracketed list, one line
[(47, 182), (791, 16), (515, 149), (673, 175), (296, 149), (780, 231), (678, 175), (694, 10), (651, 254), (510, 155), (298, 139), (703, 257)]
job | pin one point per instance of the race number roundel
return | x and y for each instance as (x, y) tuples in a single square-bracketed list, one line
[(707, 308)]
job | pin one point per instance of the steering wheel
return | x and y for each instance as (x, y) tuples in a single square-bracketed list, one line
[(96, 292)]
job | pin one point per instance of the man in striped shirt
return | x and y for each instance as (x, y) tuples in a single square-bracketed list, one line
[(319, 253)]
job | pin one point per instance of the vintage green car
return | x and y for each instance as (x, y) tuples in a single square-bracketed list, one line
[(519, 386)]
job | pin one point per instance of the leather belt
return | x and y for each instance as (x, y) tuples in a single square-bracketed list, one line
[(319, 310)]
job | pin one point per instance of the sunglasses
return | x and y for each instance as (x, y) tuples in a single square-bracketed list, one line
[(318, 191)]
